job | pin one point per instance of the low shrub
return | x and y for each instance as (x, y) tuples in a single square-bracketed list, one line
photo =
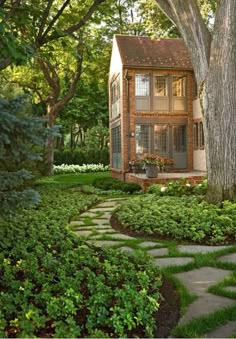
[(53, 284), (82, 156), (186, 217), (178, 188), (115, 184), (64, 169)]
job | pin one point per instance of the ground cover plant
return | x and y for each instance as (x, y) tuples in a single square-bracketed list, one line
[(55, 285), (182, 218), (109, 183), (85, 168)]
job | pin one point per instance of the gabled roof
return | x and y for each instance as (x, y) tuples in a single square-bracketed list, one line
[(145, 52)]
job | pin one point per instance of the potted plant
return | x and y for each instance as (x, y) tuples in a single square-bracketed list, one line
[(168, 164), (136, 165), (151, 163)]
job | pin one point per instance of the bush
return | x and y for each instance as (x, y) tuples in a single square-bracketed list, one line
[(178, 188), (64, 169), (115, 184), (82, 156), (189, 218), (53, 284)]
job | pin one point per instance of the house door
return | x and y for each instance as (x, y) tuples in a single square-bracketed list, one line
[(170, 141)]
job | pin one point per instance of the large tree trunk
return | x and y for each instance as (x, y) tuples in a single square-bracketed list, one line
[(213, 58), (49, 146), (219, 107)]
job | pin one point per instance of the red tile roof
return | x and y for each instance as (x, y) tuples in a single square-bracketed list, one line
[(145, 52)]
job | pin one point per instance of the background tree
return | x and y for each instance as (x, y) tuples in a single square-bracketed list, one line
[(213, 59)]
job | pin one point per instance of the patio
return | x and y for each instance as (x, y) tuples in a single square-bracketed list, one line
[(193, 177)]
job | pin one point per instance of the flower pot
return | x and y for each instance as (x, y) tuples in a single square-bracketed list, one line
[(151, 171)]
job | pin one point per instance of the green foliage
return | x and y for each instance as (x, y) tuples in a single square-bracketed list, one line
[(186, 217), (19, 137), (115, 184), (82, 156), (178, 188), (56, 285)]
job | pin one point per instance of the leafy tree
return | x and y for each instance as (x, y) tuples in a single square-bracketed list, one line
[(18, 136), (213, 59)]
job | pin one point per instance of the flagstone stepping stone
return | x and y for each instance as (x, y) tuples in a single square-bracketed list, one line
[(77, 222), (108, 231), (158, 252), (96, 227), (199, 248), (82, 233), (230, 288), (126, 249), (107, 204), (231, 258), (204, 305), (101, 243), (120, 236), (102, 209), (224, 331), (100, 222), (199, 280), (173, 261), (106, 215), (88, 214), (149, 244)]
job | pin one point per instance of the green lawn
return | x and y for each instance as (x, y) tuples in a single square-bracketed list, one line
[(76, 178)]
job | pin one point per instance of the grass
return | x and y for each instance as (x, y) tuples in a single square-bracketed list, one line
[(75, 179)]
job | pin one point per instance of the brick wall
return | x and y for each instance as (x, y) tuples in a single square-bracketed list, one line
[(130, 117)]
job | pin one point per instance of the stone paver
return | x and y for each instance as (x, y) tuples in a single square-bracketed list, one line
[(156, 252), (231, 258), (149, 244), (205, 305), (126, 249), (224, 331), (199, 280), (174, 261), (102, 243), (199, 248)]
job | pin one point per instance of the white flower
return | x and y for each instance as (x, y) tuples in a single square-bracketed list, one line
[(163, 189), (188, 185)]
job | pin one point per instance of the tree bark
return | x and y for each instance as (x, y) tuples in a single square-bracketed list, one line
[(213, 58)]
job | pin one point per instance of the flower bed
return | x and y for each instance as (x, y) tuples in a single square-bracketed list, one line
[(183, 217), (55, 285), (64, 169)]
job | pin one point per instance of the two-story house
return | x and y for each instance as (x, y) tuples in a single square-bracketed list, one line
[(153, 109)]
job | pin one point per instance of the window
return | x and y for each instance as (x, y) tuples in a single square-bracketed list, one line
[(142, 137), (115, 97), (142, 85), (161, 93), (142, 92), (161, 139), (179, 86), (116, 147), (160, 86), (196, 135), (201, 132)]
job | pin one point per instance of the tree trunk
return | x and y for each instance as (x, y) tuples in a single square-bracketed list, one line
[(49, 145)]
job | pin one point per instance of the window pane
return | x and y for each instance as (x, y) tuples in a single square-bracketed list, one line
[(160, 86), (160, 139), (179, 136), (142, 85), (116, 147), (202, 141), (195, 135), (179, 86), (142, 137)]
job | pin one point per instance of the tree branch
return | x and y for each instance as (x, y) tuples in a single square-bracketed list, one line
[(44, 18), (187, 17), (45, 39), (50, 76)]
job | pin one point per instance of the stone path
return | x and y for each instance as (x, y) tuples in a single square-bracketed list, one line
[(94, 226)]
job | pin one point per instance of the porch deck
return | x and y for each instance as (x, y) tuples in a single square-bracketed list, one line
[(193, 177)]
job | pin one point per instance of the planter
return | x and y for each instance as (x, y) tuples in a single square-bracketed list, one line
[(151, 171)]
